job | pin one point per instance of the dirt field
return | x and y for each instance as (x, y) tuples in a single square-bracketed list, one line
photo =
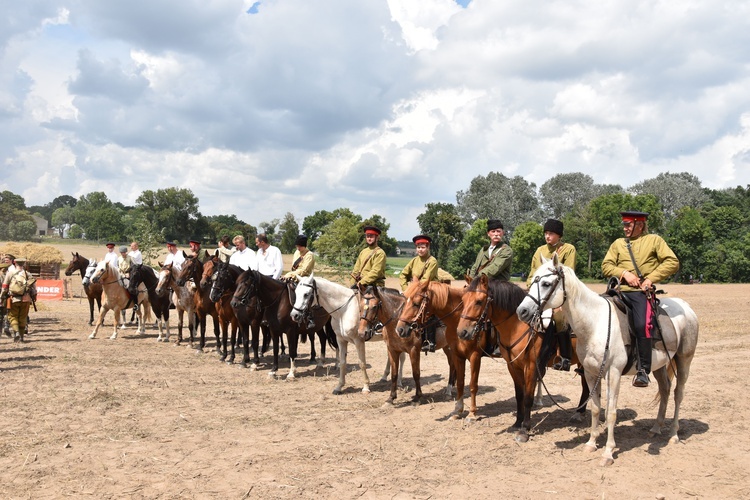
[(141, 419)]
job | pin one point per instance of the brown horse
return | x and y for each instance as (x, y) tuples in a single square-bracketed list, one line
[(492, 304), (192, 270), (383, 306), (221, 299), (117, 298), (93, 290)]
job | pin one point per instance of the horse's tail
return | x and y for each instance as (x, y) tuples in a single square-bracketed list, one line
[(331, 335)]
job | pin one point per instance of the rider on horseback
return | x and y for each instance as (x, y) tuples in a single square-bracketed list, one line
[(639, 261), (423, 267)]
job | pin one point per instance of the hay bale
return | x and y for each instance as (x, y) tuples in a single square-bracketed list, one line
[(34, 252), (444, 276)]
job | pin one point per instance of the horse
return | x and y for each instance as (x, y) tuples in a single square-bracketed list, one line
[(140, 273), (382, 306), (339, 302), (220, 291), (182, 298), (493, 303), (276, 298), (93, 290), (117, 298), (192, 270), (602, 345)]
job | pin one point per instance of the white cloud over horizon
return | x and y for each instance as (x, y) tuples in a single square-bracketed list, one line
[(378, 106)]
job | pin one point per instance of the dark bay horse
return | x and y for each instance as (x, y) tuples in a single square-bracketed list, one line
[(220, 281), (141, 273), (383, 305), (494, 302), (276, 298), (203, 307), (93, 290)]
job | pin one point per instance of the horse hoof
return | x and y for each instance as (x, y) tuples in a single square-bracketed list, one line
[(365, 390), (589, 448), (337, 392), (454, 416), (607, 462), (91, 323), (290, 377), (92, 336), (521, 437), (388, 404), (471, 419), (271, 374), (674, 440)]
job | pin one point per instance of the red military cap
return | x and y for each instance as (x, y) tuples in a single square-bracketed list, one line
[(422, 239)]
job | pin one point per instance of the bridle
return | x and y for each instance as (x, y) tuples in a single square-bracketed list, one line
[(540, 301), (481, 320), (415, 323), (374, 324)]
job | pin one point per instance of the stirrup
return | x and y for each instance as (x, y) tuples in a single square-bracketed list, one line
[(428, 346), (562, 365), (641, 379)]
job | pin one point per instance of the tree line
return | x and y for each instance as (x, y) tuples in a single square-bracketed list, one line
[(708, 229)]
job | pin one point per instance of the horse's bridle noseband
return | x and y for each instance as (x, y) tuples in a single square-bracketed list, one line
[(540, 301)]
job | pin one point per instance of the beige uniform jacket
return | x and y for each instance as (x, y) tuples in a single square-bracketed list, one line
[(371, 270), (418, 268), (655, 259), (19, 298), (305, 264), (566, 253)]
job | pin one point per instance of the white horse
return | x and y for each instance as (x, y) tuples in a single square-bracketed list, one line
[(117, 298), (182, 298), (601, 346), (341, 303)]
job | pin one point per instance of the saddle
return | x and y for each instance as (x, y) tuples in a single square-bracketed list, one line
[(663, 335)]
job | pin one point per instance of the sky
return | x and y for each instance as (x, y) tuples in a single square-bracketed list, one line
[(381, 106)]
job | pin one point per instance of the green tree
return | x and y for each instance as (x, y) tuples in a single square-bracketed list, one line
[(62, 218), (174, 211), (99, 218), (512, 200), (228, 225), (338, 243), (385, 242), (441, 222), (688, 235), (673, 191), (289, 230), (465, 253), (21, 231), (12, 210), (563, 191), (150, 239), (269, 228), (526, 239), (313, 225)]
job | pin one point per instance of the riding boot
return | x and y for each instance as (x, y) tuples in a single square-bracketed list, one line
[(566, 350), (430, 328), (644, 363), (494, 341)]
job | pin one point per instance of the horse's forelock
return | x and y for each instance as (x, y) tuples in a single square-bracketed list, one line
[(506, 295), (474, 283)]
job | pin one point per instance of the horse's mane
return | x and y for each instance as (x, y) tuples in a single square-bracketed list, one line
[(390, 296), (440, 294), (506, 295)]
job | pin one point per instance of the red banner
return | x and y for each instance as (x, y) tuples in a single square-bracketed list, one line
[(49, 289)]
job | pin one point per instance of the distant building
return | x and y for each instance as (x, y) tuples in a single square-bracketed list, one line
[(42, 226)]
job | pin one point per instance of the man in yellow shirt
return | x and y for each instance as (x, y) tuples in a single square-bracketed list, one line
[(423, 267), (639, 261), (303, 261), (369, 269)]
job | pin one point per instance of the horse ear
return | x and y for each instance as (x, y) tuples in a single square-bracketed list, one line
[(467, 278), (555, 260), (484, 280), (160, 264), (545, 259)]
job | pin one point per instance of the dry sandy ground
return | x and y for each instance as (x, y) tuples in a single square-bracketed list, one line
[(136, 418)]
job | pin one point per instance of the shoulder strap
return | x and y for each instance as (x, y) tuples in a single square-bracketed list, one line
[(491, 258), (632, 259)]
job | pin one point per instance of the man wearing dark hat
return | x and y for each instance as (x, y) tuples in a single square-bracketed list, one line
[(4, 265), (423, 267), (494, 260), (174, 257), (303, 261), (369, 269), (566, 253), (199, 253), (18, 293), (639, 261)]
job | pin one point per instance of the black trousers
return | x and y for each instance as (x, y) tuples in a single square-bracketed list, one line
[(637, 302)]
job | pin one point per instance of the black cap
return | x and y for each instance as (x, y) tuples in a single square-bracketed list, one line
[(553, 226), (494, 224), (421, 238), (371, 230), (301, 240), (172, 243), (194, 240), (110, 244)]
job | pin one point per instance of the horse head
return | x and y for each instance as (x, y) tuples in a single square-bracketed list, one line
[(414, 313), (165, 277), (547, 290), (75, 264), (220, 279), (476, 303), (210, 269), (192, 269), (304, 294), (370, 304), (247, 288), (101, 270)]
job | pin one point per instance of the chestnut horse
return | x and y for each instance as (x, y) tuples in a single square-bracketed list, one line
[(93, 290), (141, 273), (492, 304), (203, 306), (181, 297), (383, 306), (117, 298)]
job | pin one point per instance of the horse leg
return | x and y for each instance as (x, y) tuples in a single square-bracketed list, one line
[(360, 345), (322, 338), (221, 346), (116, 318), (475, 362), (343, 346), (91, 311), (538, 398), (613, 393), (180, 316), (217, 334), (100, 321), (683, 362), (256, 340), (527, 402), (393, 365), (459, 364), (415, 354), (451, 372), (200, 320), (662, 378), (293, 337), (275, 368), (580, 413), (595, 410)]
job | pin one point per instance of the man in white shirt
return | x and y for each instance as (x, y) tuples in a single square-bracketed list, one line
[(174, 257), (269, 257), (111, 256), (135, 254), (243, 257)]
